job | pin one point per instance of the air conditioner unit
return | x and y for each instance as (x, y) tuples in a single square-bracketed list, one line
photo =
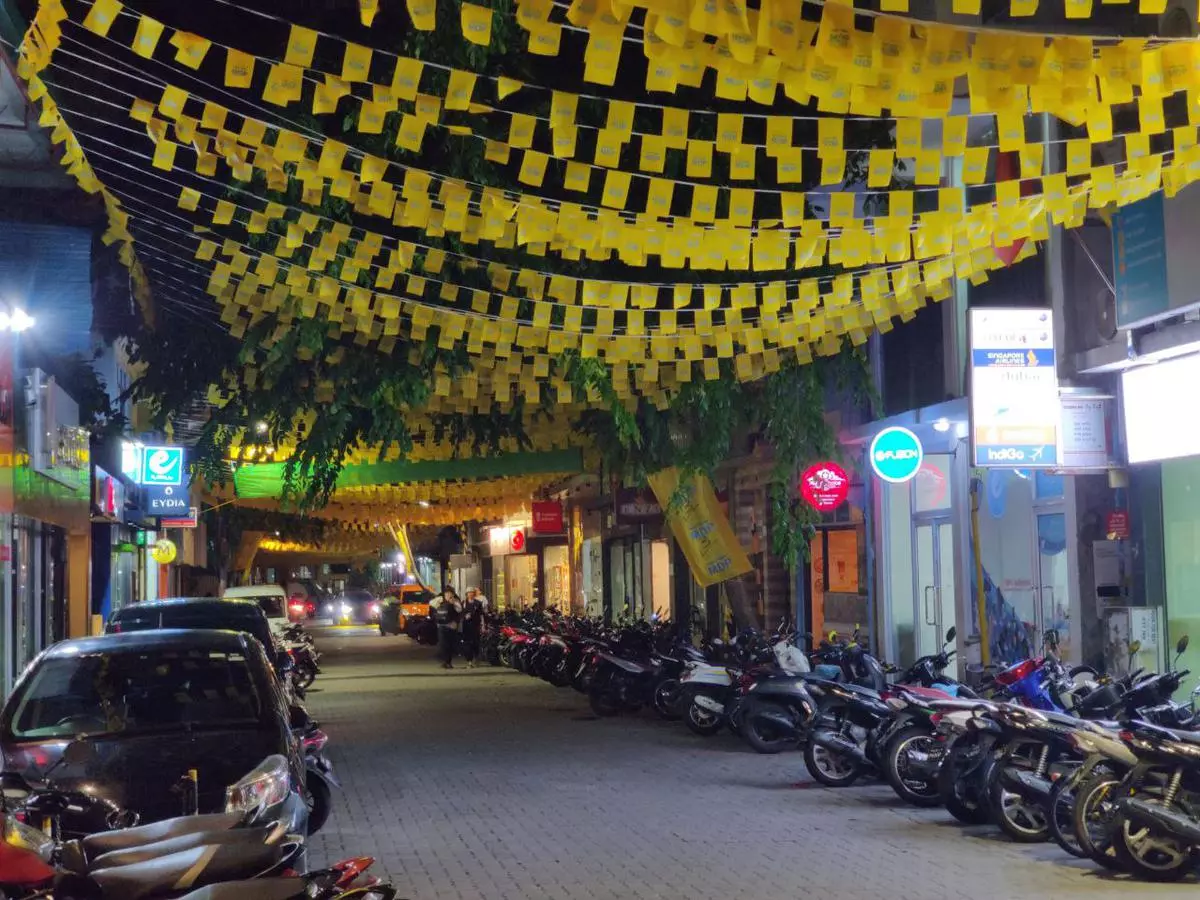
[(1178, 20), (1089, 304)]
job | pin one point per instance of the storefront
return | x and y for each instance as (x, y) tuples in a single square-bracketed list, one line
[(1159, 540), (835, 572), (952, 543)]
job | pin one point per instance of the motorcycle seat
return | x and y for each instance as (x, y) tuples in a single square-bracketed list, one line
[(627, 665), (268, 834), (95, 845), (1170, 734), (255, 889), (184, 870)]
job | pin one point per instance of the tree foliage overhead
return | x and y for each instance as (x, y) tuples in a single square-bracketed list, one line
[(709, 421), (299, 382)]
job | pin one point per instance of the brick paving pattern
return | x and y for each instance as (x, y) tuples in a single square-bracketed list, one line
[(488, 784)]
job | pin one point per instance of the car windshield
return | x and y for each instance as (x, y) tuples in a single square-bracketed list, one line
[(358, 597), (126, 693), (271, 604)]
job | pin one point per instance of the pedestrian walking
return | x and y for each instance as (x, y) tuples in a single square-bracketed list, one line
[(472, 627), (447, 613)]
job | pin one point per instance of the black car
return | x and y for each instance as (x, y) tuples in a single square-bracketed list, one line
[(353, 607), (200, 612), (139, 710)]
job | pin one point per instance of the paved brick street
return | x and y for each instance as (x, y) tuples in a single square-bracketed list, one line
[(488, 784)]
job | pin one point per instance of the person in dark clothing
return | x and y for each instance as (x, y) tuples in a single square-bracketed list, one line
[(472, 627), (447, 613)]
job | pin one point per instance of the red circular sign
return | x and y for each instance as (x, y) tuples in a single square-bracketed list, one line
[(517, 540), (825, 486)]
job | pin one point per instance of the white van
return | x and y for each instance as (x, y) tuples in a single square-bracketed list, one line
[(271, 597)]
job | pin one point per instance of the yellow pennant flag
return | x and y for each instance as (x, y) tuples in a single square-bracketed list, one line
[(101, 16), (477, 24), (190, 49), (423, 14), (149, 30), (700, 525), (302, 42), (367, 10), (239, 68)]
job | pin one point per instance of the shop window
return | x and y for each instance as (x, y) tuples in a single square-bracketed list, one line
[(1181, 552), (1047, 486), (933, 487)]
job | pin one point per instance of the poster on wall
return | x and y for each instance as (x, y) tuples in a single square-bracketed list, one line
[(1085, 440), (1015, 409)]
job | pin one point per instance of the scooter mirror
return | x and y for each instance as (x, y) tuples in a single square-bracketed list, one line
[(1134, 647), (1181, 646), (951, 634)]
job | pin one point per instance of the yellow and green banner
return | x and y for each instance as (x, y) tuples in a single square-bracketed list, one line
[(700, 526)]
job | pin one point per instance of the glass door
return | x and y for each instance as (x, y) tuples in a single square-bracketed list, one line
[(1054, 606), (933, 567)]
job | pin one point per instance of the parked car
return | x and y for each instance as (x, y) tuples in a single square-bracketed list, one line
[(402, 606), (353, 607), (125, 718), (271, 597), (204, 612)]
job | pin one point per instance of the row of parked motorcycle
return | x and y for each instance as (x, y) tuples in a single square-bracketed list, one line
[(66, 836), (1107, 767)]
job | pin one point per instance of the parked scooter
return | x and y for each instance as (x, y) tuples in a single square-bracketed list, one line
[(319, 777)]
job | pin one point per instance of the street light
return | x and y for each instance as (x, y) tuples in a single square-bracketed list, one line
[(16, 321)]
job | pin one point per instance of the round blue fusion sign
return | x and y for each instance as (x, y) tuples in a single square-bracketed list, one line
[(896, 454)]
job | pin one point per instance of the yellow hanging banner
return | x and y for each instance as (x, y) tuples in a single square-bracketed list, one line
[(700, 526)]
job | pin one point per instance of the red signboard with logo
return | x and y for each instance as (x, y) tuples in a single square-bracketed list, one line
[(547, 517), (516, 540), (1116, 526), (825, 486)]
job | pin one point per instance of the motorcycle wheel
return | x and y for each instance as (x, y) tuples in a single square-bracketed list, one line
[(957, 793), (604, 702), (701, 721), (319, 799), (666, 699), (305, 676), (914, 791), (506, 656), (1091, 819), (560, 675), (1147, 853), (1061, 816), (1021, 820), (760, 733), (829, 768)]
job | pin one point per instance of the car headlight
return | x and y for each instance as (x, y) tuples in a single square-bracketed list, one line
[(345, 609), (374, 609), (264, 786)]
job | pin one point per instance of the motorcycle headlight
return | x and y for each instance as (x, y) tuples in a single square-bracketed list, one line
[(265, 786), (345, 609), (24, 837)]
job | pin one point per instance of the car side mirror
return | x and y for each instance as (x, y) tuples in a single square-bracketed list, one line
[(298, 718)]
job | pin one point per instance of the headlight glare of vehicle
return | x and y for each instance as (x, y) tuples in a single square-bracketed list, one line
[(263, 787)]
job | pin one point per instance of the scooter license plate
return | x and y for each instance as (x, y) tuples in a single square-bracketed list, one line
[(709, 704)]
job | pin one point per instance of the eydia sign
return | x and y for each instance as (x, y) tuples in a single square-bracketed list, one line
[(825, 486)]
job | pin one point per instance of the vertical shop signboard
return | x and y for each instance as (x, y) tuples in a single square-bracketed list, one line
[(1139, 238), (1015, 409), (700, 526)]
